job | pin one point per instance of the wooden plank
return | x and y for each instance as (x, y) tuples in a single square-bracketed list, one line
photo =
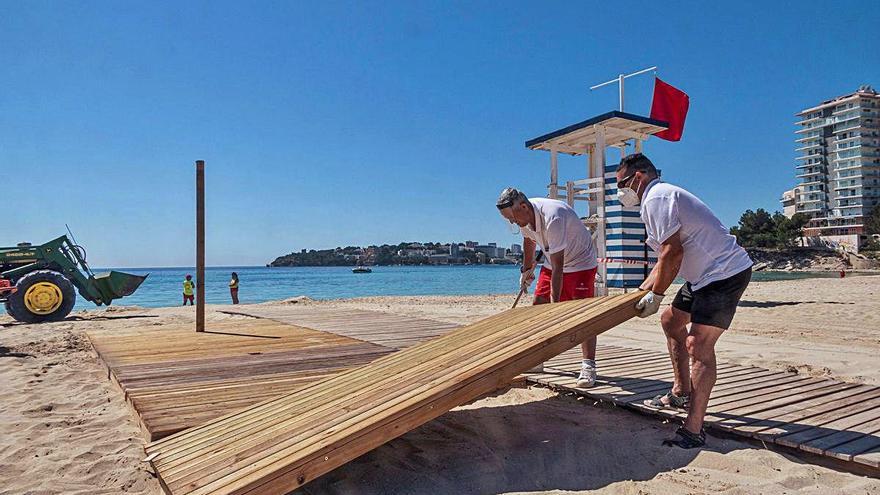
[(792, 413), (870, 457), (827, 444), (303, 435), (832, 423)]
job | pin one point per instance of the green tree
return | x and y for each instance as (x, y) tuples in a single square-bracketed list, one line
[(872, 223), (760, 229), (789, 230), (756, 229)]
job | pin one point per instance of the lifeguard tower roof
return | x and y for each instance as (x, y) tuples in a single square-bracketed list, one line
[(577, 138)]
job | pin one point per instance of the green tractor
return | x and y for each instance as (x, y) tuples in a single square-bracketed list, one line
[(37, 282)]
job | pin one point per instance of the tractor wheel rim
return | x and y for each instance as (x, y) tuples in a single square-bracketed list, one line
[(43, 298)]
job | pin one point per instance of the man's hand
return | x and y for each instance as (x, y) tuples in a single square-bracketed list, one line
[(649, 304), (526, 278)]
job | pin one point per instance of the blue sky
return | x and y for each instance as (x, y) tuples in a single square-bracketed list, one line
[(327, 124)]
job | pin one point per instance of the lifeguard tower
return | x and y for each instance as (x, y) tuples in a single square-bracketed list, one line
[(618, 232)]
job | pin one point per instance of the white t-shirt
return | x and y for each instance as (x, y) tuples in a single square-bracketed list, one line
[(710, 251), (558, 228)]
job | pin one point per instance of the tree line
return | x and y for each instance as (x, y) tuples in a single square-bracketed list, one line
[(761, 229)]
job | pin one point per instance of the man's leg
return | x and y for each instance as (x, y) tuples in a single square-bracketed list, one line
[(674, 322), (701, 348), (588, 349)]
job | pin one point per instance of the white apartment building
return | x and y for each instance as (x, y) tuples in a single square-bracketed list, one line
[(839, 163)]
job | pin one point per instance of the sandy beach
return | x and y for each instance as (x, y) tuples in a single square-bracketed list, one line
[(64, 428)]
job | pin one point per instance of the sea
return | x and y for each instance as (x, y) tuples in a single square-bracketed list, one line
[(163, 287)]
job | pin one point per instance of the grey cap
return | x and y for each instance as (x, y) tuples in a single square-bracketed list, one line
[(509, 196)]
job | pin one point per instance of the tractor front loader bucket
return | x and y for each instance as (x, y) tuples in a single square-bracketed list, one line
[(114, 285)]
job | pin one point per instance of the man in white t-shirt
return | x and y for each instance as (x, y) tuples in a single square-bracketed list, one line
[(569, 269), (692, 243)]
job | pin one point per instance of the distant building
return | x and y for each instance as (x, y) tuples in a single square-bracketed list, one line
[(515, 249), (471, 244), (487, 249), (788, 202), (839, 166), (411, 252), (453, 250)]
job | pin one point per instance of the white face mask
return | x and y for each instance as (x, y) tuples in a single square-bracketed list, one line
[(627, 196)]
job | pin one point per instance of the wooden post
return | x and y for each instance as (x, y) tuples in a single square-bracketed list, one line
[(200, 245)]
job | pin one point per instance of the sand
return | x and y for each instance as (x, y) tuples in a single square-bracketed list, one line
[(64, 428)]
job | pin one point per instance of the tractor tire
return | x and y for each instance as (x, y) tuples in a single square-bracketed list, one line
[(42, 295)]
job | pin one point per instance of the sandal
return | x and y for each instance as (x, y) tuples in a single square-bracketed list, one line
[(672, 401), (687, 440)]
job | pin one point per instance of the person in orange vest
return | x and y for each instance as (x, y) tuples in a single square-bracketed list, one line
[(188, 291), (233, 288)]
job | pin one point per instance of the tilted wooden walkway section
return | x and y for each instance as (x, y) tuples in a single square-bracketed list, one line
[(278, 445)]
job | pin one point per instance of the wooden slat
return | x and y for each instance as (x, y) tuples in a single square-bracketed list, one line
[(281, 444)]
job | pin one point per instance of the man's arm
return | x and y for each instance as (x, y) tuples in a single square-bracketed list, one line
[(661, 276), (668, 264), (557, 261), (528, 254)]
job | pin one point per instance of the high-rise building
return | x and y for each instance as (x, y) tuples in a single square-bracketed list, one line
[(839, 165), (516, 249)]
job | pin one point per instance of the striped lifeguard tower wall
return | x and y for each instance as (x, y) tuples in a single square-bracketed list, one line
[(624, 239), (618, 232)]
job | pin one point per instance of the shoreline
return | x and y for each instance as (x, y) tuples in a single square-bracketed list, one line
[(784, 276)]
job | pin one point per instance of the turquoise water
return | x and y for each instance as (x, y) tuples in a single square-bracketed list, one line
[(258, 284)]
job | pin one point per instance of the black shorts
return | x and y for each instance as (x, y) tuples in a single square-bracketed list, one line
[(714, 304)]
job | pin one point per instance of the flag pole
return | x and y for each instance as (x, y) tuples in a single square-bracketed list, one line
[(619, 80)]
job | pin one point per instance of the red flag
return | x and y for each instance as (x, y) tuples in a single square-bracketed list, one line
[(670, 105)]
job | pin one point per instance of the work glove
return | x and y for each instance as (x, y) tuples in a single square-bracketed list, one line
[(649, 304), (526, 278)]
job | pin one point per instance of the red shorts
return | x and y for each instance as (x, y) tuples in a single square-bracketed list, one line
[(575, 285)]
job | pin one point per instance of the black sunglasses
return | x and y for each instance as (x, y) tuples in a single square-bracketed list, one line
[(622, 182)]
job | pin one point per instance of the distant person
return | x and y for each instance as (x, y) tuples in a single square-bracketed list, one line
[(233, 288), (569, 269), (188, 290), (693, 244)]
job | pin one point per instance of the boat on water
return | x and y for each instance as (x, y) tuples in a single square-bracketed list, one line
[(361, 269)]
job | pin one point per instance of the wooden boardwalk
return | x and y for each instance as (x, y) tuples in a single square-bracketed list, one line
[(279, 445), (818, 415), (175, 378)]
